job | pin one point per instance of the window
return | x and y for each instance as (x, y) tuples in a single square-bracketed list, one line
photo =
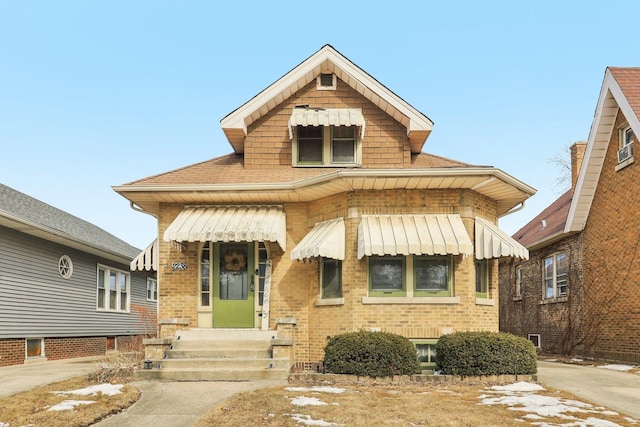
[(555, 275), (331, 278), (205, 285), (152, 289), (387, 276), (432, 276), (535, 339), (427, 276), (626, 136), (518, 290), (65, 266), (34, 348), (113, 289), (426, 350), (326, 145), (326, 82), (482, 278)]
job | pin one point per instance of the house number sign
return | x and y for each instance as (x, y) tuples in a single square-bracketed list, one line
[(178, 265)]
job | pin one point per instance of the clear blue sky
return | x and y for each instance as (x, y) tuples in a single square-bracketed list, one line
[(100, 93)]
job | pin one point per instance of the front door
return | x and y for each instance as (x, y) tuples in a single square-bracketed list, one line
[(233, 290)]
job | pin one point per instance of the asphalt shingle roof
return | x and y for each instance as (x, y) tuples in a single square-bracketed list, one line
[(19, 206)]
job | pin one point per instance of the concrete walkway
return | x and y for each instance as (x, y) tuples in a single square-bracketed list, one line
[(615, 390)]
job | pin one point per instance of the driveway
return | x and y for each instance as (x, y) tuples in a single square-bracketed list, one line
[(615, 390)]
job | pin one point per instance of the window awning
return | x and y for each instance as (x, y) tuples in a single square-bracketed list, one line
[(147, 260), (413, 235), (229, 224), (326, 117), (326, 239), (491, 242)]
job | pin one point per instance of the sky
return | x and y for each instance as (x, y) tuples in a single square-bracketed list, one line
[(95, 94)]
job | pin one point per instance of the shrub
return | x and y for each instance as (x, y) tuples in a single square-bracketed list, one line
[(485, 353), (374, 354)]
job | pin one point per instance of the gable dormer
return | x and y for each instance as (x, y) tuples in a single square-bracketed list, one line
[(327, 73)]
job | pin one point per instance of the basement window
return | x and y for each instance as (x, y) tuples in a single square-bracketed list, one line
[(535, 339), (35, 348)]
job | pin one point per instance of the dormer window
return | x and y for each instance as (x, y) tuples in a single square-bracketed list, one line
[(326, 137)]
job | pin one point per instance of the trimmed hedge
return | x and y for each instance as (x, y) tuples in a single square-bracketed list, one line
[(485, 353), (373, 354)]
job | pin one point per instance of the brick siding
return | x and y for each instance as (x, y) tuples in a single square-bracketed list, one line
[(12, 351)]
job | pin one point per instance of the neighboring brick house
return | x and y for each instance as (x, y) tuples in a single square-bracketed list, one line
[(329, 218), (65, 286), (587, 300)]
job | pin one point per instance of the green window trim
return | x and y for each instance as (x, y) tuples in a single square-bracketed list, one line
[(385, 267), (425, 290), (482, 278)]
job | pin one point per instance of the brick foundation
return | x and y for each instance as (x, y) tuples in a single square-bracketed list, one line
[(12, 351)]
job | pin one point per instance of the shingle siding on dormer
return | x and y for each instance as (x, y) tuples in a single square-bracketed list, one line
[(385, 143)]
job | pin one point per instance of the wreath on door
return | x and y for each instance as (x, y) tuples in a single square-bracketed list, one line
[(234, 261)]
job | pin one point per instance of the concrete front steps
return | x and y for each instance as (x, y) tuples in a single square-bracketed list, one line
[(219, 355)]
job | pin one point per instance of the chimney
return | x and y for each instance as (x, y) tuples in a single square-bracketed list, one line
[(577, 154)]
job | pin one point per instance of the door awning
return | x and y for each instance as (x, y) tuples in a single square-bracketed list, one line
[(326, 239), (229, 224), (491, 242), (147, 260), (413, 235), (326, 117)]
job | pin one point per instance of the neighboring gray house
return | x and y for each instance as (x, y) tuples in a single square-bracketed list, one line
[(66, 286)]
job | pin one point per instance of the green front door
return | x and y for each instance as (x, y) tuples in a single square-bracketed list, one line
[(233, 290)]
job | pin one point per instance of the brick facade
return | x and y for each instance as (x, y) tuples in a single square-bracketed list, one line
[(393, 137), (13, 351), (612, 258), (559, 322)]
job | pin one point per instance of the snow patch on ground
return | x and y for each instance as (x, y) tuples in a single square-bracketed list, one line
[(67, 405), (522, 397), (317, 389), (106, 389), (307, 420), (307, 401), (622, 368)]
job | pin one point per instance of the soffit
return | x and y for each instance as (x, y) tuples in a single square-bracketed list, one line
[(490, 182)]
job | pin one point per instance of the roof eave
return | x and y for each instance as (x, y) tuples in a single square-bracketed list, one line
[(56, 236)]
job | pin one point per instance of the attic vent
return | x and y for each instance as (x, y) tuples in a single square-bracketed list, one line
[(326, 82)]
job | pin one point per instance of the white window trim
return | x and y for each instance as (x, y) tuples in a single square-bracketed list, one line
[(556, 295), (334, 84), (65, 267), (107, 271), (622, 143), (537, 338), (26, 351), (518, 284), (154, 289), (326, 152)]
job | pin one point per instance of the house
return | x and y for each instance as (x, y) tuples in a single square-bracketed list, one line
[(578, 294), (66, 289), (327, 217)]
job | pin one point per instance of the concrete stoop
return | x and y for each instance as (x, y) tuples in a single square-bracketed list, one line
[(218, 355)]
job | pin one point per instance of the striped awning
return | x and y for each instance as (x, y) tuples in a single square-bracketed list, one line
[(147, 260), (413, 235), (229, 224), (326, 239), (491, 242), (326, 117)]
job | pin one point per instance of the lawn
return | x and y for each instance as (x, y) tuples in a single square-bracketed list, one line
[(433, 404)]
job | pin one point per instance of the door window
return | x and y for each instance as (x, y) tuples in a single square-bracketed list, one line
[(233, 271)]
